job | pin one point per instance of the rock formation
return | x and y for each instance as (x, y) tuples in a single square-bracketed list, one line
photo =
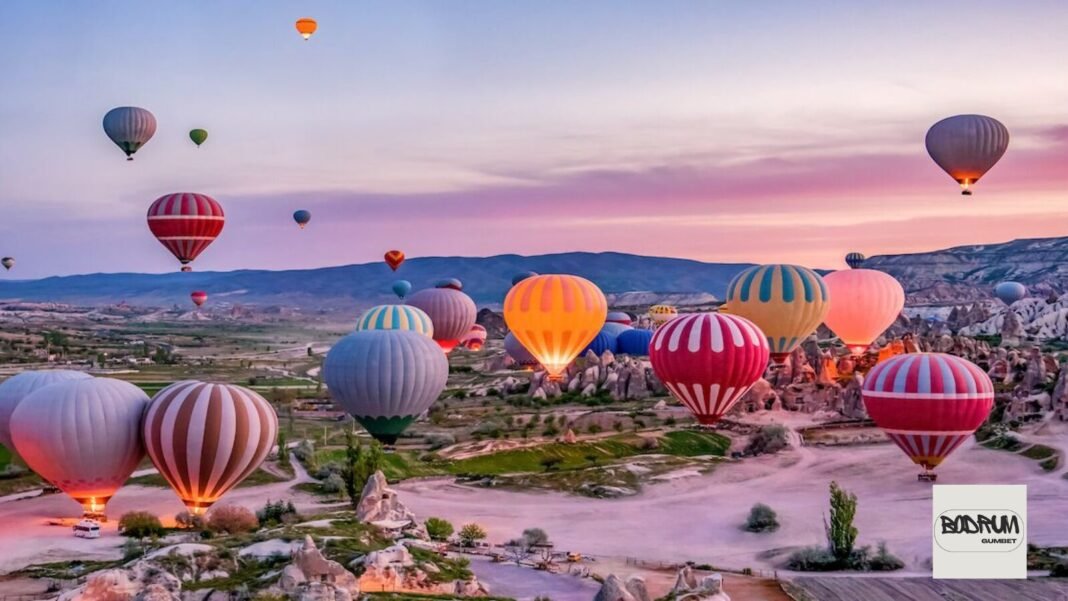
[(141, 581), (689, 587), (313, 577), (380, 505), (615, 589)]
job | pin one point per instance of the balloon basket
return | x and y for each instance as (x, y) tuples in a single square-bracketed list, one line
[(965, 192), (98, 516), (927, 477)]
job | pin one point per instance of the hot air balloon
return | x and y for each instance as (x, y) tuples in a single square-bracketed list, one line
[(7, 262), (394, 258), (928, 404), (864, 302), (615, 329), (634, 342), (708, 361), (555, 317), (452, 312), (475, 339), (401, 288), (603, 341), (21, 385), (787, 303), (967, 146), (518, 352), (619, 317), (199, 297), (206, 438), (83, 436), (198, 136), (306, 26), (385, 378), (453, 283), (661, 314), (854, 260), (1010, 292), (396, 317), (519, 277), (302, 217), (130, 128), (185, 223)]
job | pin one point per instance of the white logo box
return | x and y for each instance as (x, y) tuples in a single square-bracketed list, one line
[(979, 531)]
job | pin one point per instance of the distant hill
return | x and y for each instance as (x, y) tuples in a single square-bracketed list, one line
[(486, 279), (970, 272)]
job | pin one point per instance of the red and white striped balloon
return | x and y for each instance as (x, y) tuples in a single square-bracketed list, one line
[(928, 403), (186, 223), (206, 438), (709, 360)]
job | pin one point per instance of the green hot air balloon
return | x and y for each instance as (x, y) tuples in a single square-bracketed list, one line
[(198, 136)]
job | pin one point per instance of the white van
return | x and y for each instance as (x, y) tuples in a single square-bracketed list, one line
[(87, 529)]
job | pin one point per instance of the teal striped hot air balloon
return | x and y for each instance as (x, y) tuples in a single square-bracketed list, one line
[(396, 317), (787, 302)]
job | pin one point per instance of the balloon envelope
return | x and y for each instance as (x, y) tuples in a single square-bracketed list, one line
[(396, 317), (1010, 292), (83, 436), (519, 277), (661, 314), (130, 128), (198, 136), (475, 339), (864, 303), (967, 146), (615, 329), (385, 378), (619, 317), (306, 26), (302, 217), (787, 303), (199, 297), (603, 341), (634, 342), (186, 223), (928, 403), (518, 352), (394, 258), (7, 262), (401, 288), (708, 361), (21, 385), (206, 438), (452, 312), (854, 260)]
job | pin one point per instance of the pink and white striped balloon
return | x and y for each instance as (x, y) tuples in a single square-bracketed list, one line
[(709, 360)]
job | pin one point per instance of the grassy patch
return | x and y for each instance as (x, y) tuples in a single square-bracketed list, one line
[(5, 457), (256, 478), (1038, 451)]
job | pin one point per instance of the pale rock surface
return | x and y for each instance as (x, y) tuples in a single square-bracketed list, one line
[(380, 503)]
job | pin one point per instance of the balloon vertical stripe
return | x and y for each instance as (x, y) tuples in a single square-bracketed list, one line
[(787, 302)]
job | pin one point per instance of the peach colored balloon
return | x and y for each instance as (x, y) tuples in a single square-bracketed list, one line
[(864, 302)]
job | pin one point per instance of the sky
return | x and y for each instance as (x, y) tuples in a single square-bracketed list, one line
[(715, 130)]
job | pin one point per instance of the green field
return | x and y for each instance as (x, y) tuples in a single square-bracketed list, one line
[(5, 457)]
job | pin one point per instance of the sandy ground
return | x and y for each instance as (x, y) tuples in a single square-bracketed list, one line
[(699, 518), (27, 537)]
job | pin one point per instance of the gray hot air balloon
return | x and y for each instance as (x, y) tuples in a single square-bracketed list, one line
[(130, 128), (967, 146), (452, 311), (385, 378), (518, 352), (7, 262), (21, 385), (83, 436)]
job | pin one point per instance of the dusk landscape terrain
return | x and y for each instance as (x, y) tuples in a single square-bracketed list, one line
[(528, 301)]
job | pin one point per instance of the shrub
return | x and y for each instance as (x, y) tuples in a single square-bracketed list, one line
[(275, 513), (140, 524), (132, 549), (841, 534), (333, 484), (231, 519), (439, 529), (470, 534), (593, 429), (762, 519), (884, 561), (769, 439), (189, 521), (550, 463), (812, 559)]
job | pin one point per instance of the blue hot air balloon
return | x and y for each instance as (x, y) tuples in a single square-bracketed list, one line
[(604, 341), (518, 352), (401, 288), (385, 378), (1010, 292), (522, 275), (302, 217), (634, 342), (615, 329)]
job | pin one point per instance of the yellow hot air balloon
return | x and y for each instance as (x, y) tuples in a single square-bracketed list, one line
[(787, 302), (864, 302), (555, 317), (661, 314), (306, 27)]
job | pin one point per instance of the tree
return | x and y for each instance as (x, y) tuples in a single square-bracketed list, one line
[(762, 519), (551, 462), (471, 534), (231, 519), (360, 464), (439, 529), (535, 537), (283, 450), (841, 534), (140, 525)]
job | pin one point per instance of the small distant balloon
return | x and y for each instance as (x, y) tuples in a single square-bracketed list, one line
[(306, 27), (7, 262), (967, 146), (519, 277), (302, 217), (401, 288), (198, 136), (130, 128), (199, 297), (394, 258), (453, 283), (854, 260), (1010, 292)]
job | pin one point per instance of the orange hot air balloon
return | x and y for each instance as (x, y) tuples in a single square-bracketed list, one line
[(864, 302), (555, 317), (394, 258), (306, 27)]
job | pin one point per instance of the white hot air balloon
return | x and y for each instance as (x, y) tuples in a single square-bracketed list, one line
[(967, 146), (21, 385), (130, 128), (83, 436)]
